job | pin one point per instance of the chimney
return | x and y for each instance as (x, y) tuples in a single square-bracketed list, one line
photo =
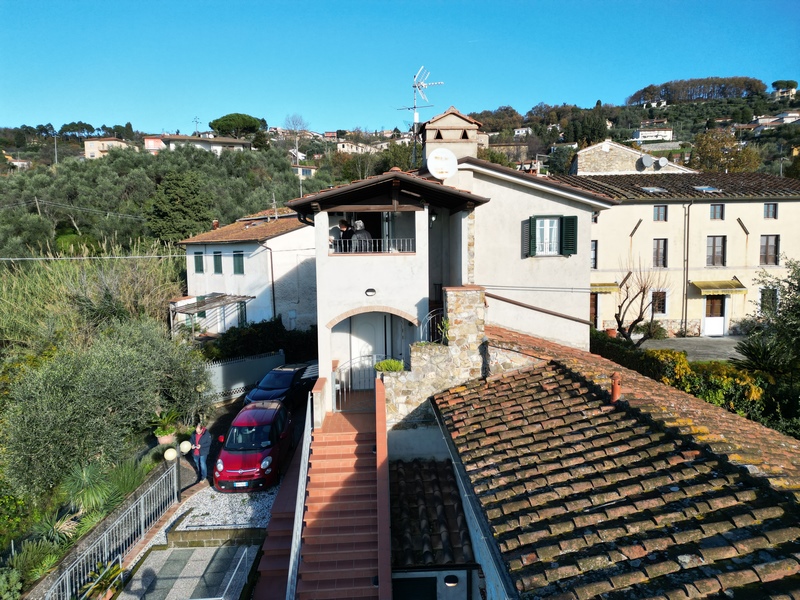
[(616, 379), (215, 224)]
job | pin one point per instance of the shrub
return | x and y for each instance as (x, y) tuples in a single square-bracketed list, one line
[(653, 330), (87, 487), (31, 555), (390, 365), (263, 337), (10, 584)]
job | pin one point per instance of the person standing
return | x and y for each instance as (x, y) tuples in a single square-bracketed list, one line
[(362, 240), (345, 235), (201, 445)]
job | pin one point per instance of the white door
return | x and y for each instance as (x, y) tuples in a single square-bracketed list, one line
[(367, 340), (714, 324)]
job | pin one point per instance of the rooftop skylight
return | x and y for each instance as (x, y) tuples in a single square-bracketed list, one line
[(654, 190), (707, 189)]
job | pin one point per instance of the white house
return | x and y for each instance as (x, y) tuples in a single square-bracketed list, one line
[(257, 268), (524, 239), (653, 133), (215, 145)]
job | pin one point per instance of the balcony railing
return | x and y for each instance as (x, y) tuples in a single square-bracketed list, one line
[(387, 246)]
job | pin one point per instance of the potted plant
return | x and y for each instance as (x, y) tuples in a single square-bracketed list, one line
[(390, 365), (165, 423)]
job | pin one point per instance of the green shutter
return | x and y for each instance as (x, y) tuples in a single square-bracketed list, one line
[(201, 314), (531, 236), (569, 236)]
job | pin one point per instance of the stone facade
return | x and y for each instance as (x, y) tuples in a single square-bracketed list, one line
[(436, 367), (612, 158)]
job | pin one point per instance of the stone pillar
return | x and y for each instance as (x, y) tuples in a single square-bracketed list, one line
[(465, 311)]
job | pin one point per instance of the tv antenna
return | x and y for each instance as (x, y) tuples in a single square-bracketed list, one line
[(420, 84), (196, 121)]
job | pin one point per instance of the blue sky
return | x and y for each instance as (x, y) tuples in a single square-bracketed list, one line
[(344, 64)]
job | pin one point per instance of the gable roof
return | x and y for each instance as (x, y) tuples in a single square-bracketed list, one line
[(453, 111), (564, 189), (634, 499), (258, 227), (683, 186), (610, 146), (394, 186)]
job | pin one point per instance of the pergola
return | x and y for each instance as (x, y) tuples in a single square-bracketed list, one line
[(213, 300)]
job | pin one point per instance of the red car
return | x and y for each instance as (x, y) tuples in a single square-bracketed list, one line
[(256, 449)]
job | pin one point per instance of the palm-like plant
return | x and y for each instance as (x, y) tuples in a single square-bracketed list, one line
[(765, 355), (55, 528), (87, 487), (105, 577)]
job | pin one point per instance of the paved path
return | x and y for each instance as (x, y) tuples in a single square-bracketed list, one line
[(700, 348), (181, 573)]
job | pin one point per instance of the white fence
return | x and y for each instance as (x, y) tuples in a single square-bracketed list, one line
[(235, 376)]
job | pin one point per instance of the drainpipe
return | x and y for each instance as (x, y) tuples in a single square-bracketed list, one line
[(685, 291), (272, 279)]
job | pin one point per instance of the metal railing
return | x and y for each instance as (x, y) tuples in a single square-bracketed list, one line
[(120, 536), (377, 246), (356, 375), (224, 595), (299, 509), (432, 328), (116, 563)]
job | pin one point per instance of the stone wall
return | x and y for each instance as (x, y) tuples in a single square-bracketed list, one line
[(436, 367)]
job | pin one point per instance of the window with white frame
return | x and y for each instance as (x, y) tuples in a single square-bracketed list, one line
[(769, 250), (660, 253), (238, 263), (552, 236), (770, 210), (198, 262), (594, 255)]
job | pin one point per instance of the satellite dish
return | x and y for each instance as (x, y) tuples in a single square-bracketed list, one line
[(662, 162), (647, 160), (442, 163)]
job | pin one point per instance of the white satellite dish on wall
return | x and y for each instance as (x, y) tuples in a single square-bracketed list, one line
[(662, 162), (442, 163), (647, 160)]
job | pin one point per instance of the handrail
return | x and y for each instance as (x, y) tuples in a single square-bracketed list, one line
[(539, 309), (376, 246), (297, 529), (230, 581), (430, 330)]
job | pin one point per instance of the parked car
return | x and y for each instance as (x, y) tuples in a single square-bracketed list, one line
[(288, 383), (256, 449)]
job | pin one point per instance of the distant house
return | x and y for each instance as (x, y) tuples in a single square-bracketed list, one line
[(153, 144), (94, 148), (17, 163), (784, 94), (521, 132), (355, 148), (607, 158), (259, 267), (215, 145), (304, 171), (297, 156), (653, 133)]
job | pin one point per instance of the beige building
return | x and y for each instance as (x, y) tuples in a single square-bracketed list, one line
[(98, 147), (607, 158), (705, 237)]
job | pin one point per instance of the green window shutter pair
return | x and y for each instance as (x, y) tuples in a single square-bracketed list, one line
[(568, 236)]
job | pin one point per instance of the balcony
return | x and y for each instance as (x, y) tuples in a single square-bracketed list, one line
[(375, 246)]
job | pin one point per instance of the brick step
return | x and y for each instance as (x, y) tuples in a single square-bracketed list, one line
[(332, 500), (270, 588), (332, 528), (318, 479), (347, 491), (316, 557), (367, 535), (336, 467), (327, 568), (348, 584), (336, 519), (277, 544), (349, 508), (320, 437), (341, 453), (274, 565)]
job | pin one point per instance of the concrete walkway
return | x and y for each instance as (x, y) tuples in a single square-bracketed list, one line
[(181, 573), (700, 348)]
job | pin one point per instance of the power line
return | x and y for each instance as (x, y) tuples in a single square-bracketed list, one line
[(37, 258), (97, 211)]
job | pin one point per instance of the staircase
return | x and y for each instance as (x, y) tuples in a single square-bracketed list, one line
[(340, 534)]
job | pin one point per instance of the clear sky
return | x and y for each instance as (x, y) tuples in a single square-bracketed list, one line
[(342, 64)]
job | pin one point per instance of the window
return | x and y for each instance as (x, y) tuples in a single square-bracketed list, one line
[(660, 253), (218, 263), (715, 306), (659, 303), (717, 212), (715, 251), (769, 300), (238, 263), (198, 262), (552, 236), (201, 314), (769, 250), (594, 254), (242, 307), (595, 215), (660, 212), (771, 210)]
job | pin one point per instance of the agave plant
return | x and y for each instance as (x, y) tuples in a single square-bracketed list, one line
[(106, 576), (31, 555), (763, 354), (87, 487), (55, 528)]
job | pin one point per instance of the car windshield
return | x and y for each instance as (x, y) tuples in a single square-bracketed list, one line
[(276, 380), (248, 438)]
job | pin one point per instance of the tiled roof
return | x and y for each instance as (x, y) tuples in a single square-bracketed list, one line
[(659, 495), (744, 186), (254, 228), (428, 523)]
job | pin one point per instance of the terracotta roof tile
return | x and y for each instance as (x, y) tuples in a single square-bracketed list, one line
[(253, 228), (585, 497)]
